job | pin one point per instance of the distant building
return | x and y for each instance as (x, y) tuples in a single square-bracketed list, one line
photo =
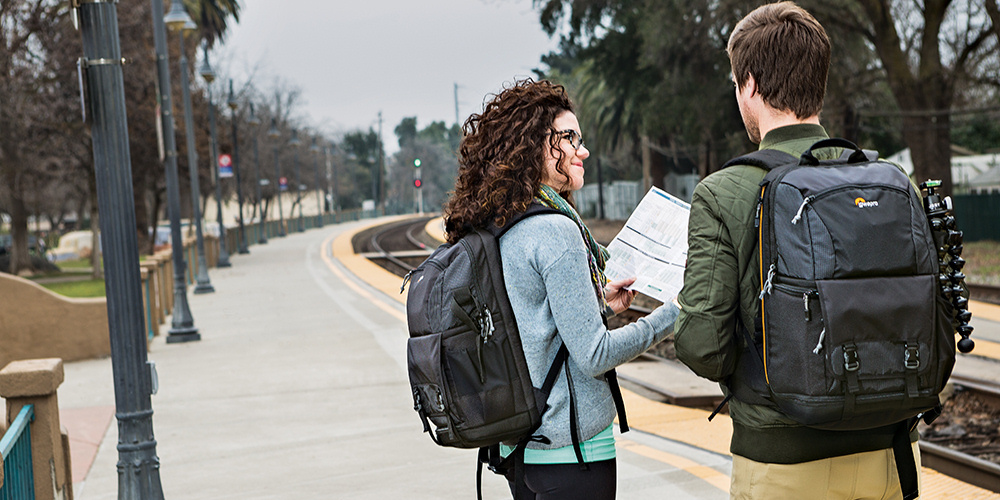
[(968, 172)]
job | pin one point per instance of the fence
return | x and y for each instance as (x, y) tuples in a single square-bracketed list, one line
[(620, 198), (978, 215), (18, 480)]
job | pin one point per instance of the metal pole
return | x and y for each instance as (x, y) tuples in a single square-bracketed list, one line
[(319, 197), (202, 282), (298, 188), (236, 170), (334, 188), (381, 167), (274, 134), (600, 191), (209, 77), (262, 232), (182, 323), (138, 465)]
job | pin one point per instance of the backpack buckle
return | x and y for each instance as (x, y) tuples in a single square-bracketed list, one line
[(416, 401), (851, 362), (911, 358)]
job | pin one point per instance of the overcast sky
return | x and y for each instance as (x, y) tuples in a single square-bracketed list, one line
[(352, 59)]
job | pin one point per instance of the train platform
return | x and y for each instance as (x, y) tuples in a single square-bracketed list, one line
[(298, 389)]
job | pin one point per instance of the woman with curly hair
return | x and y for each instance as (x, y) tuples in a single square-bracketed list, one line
[(526, 147)]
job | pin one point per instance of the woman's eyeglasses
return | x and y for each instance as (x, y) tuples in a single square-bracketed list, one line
[(574, 138)]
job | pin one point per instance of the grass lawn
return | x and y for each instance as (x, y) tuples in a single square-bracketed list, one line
[(982, 262), (69, 265), (78, 289)]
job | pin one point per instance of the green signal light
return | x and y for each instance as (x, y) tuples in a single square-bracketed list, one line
[(416, 162)]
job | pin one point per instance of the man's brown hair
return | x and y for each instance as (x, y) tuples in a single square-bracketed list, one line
[(788, 53)]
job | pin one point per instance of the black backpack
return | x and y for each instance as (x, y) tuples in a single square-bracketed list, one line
[(854, 331), (468, 375)]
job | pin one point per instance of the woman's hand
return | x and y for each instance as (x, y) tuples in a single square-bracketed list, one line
[(617, 296)]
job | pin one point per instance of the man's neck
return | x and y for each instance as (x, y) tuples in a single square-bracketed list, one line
[(769, 121)]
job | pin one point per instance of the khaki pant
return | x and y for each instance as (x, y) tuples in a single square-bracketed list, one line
[(861, 476)]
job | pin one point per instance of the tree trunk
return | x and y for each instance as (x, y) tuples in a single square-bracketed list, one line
[(142, 225), (96, 260), (20, 259), (924, 93), (930, 148)]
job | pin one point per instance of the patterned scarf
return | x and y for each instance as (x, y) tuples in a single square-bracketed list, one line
[(597, 255)]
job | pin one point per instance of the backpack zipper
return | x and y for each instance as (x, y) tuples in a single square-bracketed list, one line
[(485, 318), (811, 198), (766, 288), (798, 215)]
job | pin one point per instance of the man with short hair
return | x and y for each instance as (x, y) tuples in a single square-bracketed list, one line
[(780, 57)]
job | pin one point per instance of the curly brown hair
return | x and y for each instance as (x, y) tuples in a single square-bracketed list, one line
[(502, 155)]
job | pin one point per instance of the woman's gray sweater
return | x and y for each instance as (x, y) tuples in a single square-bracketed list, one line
[(548, 281)]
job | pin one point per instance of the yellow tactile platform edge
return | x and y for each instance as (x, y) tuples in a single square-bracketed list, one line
[(364, 269), (691, 426), (685, 425)]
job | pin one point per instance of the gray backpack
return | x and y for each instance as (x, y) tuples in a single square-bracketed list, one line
[(468, 375), (854, 331)]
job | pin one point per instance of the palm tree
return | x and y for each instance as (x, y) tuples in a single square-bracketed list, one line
[(212, 17)]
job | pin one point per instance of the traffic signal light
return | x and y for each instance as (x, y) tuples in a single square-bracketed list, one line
[(416, 183), (416, 162)]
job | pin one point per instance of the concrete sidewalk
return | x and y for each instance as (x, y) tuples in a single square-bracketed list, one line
[(298, 389)]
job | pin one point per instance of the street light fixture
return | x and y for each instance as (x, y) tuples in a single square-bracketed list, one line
[(209, 75), (180, 24), (242, 246), (319, 199), (294, 143), (138, 465), (255, 122), (182, 323), (274, 133)]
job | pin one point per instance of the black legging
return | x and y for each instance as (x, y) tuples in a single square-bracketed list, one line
[(568, 481)]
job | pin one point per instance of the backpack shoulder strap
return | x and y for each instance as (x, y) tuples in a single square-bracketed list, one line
[(768, 159), (534, 208)]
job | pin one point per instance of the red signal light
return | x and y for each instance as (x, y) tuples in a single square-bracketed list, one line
[(417, 183)]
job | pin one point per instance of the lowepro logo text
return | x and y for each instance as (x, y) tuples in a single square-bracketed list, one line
[(862, 203)]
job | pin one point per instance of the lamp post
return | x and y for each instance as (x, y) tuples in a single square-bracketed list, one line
[(319, 199), (331, 179), (182, 323), (180, 24), (242, 246), (294, 143), (255, 122), (274, 133), (209, 76), (138, 465)]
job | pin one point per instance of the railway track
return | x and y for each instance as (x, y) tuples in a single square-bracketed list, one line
[(984, 293), (399, 247)]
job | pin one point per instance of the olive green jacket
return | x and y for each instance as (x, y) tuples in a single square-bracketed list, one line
[(721, 285)]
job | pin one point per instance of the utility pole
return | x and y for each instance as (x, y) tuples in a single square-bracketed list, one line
[(101, 66), (457, 120), (378, 176)]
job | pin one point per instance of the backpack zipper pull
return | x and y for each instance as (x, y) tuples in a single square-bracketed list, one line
[(819, 345), (406, 279), (766, 288), (756, 218), (485, 333), (802, 207), (805, 302)]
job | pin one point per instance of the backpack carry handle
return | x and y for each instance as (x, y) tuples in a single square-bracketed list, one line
[(856, 157)]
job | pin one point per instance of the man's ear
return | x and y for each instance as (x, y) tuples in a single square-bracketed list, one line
[(751, 85)]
